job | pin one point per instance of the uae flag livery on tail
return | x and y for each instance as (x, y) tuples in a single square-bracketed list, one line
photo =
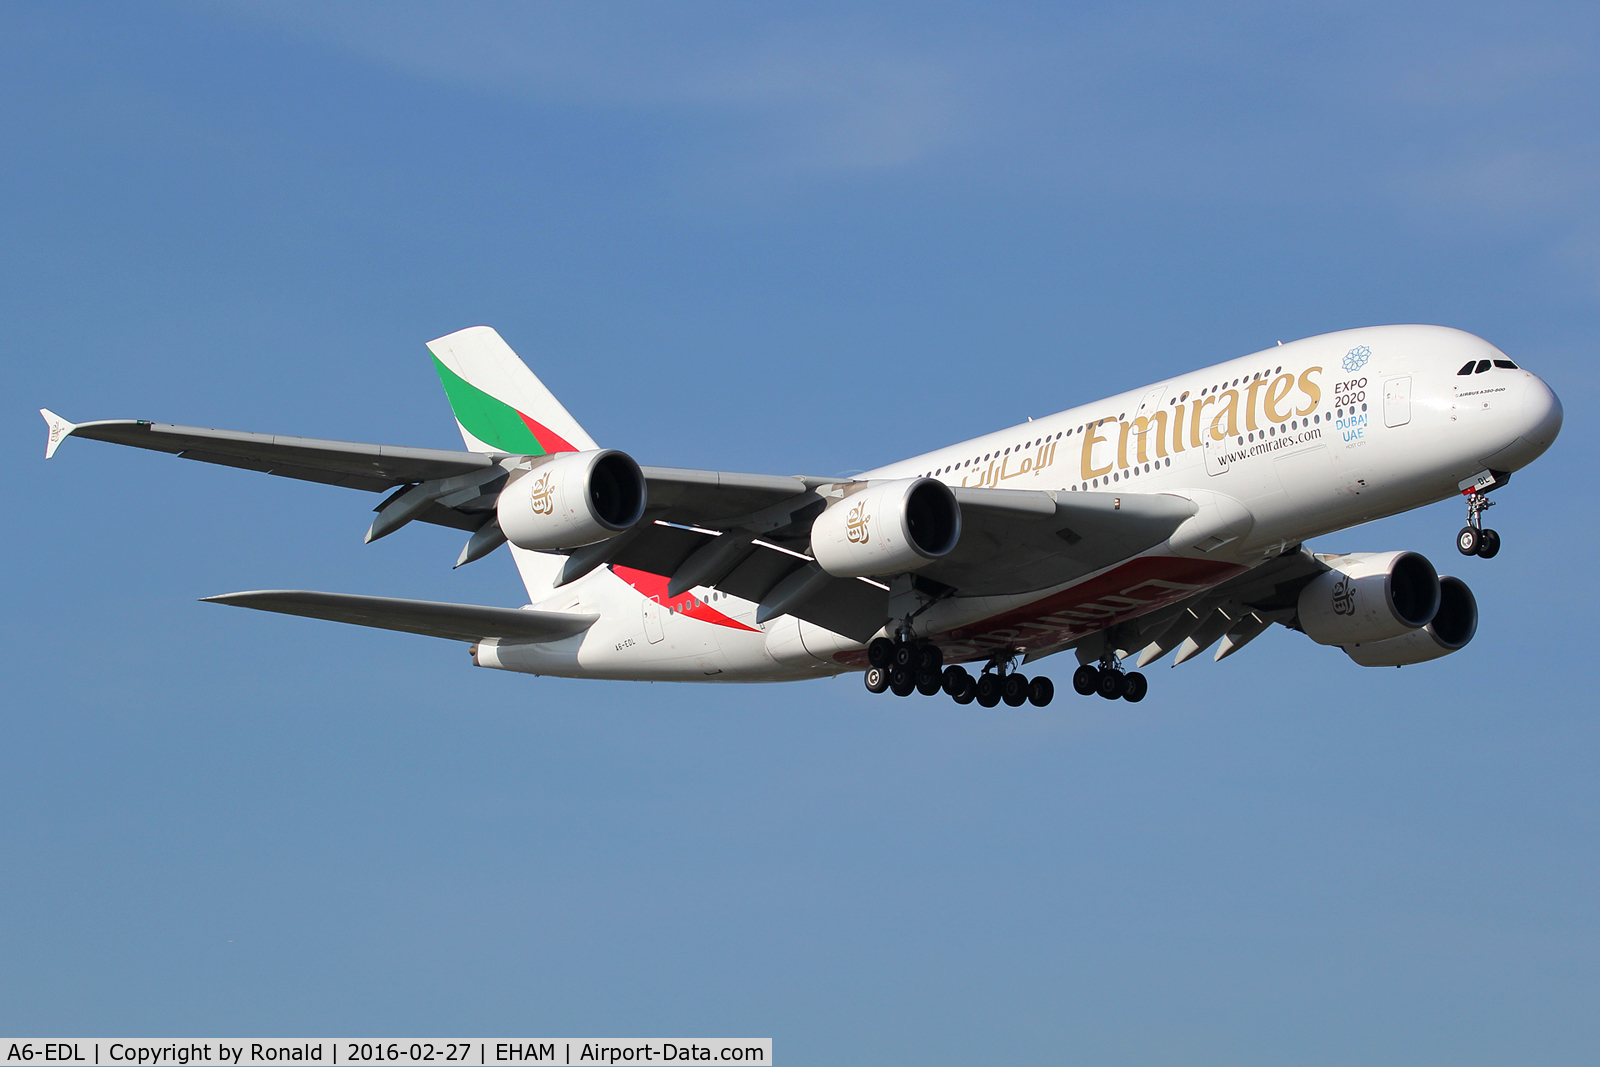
[(499, 404)]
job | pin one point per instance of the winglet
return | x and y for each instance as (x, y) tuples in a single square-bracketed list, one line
[(60, 430)]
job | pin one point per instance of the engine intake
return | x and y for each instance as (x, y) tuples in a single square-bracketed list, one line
[(575, 499), (887, 528), (1369, 596), (1452, 627)]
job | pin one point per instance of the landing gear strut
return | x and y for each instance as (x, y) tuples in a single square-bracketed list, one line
[(909, 665), (1474, 540), (1110, 681)]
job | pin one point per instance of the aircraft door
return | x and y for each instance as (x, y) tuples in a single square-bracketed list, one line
[(652, 620), (1397, 401)]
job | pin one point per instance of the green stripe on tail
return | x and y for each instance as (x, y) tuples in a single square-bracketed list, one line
[(494, 422)]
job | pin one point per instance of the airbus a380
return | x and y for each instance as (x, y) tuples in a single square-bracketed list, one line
[(1169, 519)]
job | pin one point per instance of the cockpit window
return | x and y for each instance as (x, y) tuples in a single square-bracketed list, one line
[(1483, 365), (1468, 368), (1505, 364)]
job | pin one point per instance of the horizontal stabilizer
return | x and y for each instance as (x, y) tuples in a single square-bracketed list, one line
[(454, 622)]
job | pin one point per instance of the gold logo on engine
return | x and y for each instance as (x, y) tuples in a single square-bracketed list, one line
[(543, 495), (855, 524), (1344, 601)]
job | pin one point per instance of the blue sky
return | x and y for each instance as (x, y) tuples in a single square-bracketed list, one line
[(790, 240)]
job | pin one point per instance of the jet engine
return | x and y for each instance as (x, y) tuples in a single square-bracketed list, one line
[(887, 528), (1369, 596), (577, 498), (1451, 628)]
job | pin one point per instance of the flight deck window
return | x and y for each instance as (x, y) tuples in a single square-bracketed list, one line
[(1483, 365), (1468, 368), (1505, 364)]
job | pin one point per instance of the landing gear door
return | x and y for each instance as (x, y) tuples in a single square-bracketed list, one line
[(1397, 401)]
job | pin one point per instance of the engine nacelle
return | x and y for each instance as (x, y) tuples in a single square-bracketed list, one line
[(1369, 596), (575, 499), (1452, 627), (887, 528)]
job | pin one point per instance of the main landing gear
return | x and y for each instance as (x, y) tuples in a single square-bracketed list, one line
[(908, 666), (1474, 540), (1110, 681)]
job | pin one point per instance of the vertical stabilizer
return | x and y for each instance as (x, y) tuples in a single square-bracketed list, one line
[(502, 406)]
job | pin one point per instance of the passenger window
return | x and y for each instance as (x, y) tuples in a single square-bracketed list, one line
[(1483, 365), (1468, 368), (1505, 364)]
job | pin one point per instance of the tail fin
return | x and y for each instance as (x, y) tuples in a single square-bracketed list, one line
[(498, 402), (501, 406)]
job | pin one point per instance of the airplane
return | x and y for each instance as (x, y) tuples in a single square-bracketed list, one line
[(1163, 520)]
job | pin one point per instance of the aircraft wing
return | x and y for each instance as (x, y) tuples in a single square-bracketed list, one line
[(454, 622), (374, 468), (688, 496), (1012, 541), (1019, 540)]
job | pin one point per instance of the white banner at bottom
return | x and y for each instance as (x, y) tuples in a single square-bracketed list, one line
[(380, 1052)]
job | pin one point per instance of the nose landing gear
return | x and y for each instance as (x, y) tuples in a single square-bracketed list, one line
[(1474, 540)]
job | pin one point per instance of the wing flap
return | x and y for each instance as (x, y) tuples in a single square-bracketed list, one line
[(454, 622)]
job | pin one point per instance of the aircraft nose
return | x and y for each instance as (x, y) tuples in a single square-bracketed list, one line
[(1541, 412)]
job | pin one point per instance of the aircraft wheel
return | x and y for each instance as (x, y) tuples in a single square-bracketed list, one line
[(880, 653), (929, 681), (967, 693), (902, 682), (1086, 680), (955, 678), (1490, 546), (1015, 690), (1469, 540), (930, 657), (877, 679), (1112, 684), (989, 690), (905, 655), (1134, 687), (1041, 691)]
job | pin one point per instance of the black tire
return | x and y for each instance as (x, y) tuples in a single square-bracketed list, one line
[(955, 678), (1468, 541), (1041, 691), (930, 657), (905, 656), (902, 682), (1112, 684), (877, 680), (929, 682), (1086, 680), (1490, 546), (967, 693), (989, 690), (880, 653), (1134, 687), (1014, 690)]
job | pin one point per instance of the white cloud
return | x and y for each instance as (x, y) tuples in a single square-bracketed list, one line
[(825, 97)]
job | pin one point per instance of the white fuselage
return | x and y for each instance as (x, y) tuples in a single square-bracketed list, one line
[(1274, 448)]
